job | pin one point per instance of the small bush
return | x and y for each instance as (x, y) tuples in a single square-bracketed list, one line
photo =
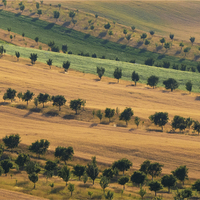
[(92, 27), (175, 66), (117, 59), (132, 61), (149, 61), (183, 67), (87, 55), (198, 67), (104, 57), (166, 64), (158, 64), (94, 55), (55, 49), (69, 52)]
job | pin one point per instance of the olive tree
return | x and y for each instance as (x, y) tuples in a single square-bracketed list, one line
[(171, 84), (135, 77), (159, 118), (11, 141), (126, 115), (49, 62), (78, 170), (168, 181), (154, 169), (192, 39), (100, 72), (188, 86), (76, 104), (122, 165), (152, 81), (10, 94), (138, 178), (27, 96), (117, 73), (66, 65), (56, 14), (123, 180), (17, 54), (65, 173), (33, 57), (64, 153), (109, 113), (181, 173), (33, 178), (59, 101), (39, 147), (43, 98), (155, 186)]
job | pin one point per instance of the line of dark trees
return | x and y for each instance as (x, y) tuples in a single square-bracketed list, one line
[(170, 83), (139, 178), (159, 118), (58, 100)]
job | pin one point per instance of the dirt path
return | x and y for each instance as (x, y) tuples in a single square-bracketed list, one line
[(8, 195)]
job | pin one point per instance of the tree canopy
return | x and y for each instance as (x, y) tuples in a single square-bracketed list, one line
[(117, 73), (126, 115), (152, 81), (159, 118), (59, 101), (170, 83), (122, 165)]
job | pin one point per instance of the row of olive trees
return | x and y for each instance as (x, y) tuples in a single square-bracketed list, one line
[(58, 100), (161, 119), (138, 178), (170, 83)]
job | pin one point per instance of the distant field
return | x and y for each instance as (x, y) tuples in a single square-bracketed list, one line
[(88, 65), (164, 17), (79, 42)]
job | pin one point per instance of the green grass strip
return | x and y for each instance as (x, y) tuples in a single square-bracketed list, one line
[(89, 65)]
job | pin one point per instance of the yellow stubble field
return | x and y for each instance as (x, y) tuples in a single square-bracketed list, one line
[(107, 142)]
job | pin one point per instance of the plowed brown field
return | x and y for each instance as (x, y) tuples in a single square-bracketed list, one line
[(107, 142)]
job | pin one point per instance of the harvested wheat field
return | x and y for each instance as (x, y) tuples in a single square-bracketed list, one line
[(107, 142), (7, 195)]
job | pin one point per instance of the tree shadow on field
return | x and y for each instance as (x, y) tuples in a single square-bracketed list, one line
[(57, 189), (4, 103), (69, 117), (165, 91), (139, 44), (49, 26), (93, 125), (86, 36), (131, 129), (104, 41), (120, 39), (32, 14), (197, 98), (154, 130), (86, 185), (177, 52), (22, 183), (111, 82), (28, 113), (97, 79), (51, 113), (21, 106), (35, 19), (18, 14), (102, 34), (161, 56), (66, 23), (196, 57), (85, 28)]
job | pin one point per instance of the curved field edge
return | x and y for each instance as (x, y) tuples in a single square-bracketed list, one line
[(80, 42), (89, 65)]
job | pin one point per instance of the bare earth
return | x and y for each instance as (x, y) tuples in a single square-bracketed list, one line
[(107, 142), (8, 195)]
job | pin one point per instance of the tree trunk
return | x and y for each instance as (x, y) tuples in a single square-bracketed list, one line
[(76, 112), (71, 194), (124, 187), (162, 128), (79, 178), (135, 83), (118, 80), (59, 108), (43, 104), (27, 103), (126, 123), (34, 186), (155, 193), (168, 189), (93, 182)]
